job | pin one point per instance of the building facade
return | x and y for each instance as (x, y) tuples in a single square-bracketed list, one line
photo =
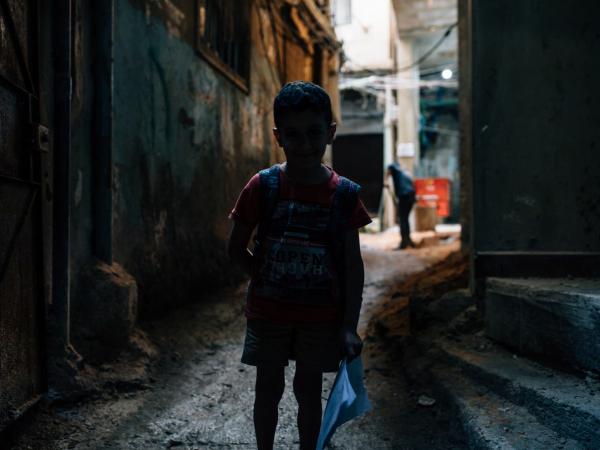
[(128, 129)]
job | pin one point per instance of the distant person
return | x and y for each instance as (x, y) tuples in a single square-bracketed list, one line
[(405, 195), (306, 270)]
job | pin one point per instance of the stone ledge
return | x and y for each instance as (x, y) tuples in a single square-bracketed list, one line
[(555, 319), (493, 422), (104, 312), (565, 403)]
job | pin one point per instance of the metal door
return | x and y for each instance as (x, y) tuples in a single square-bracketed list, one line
[(21, 289)]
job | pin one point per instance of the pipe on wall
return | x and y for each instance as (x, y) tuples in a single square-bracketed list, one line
[(62, 151), (102, 129)]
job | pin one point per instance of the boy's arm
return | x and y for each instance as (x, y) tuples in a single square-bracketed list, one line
[(238, 246), (354, 276)]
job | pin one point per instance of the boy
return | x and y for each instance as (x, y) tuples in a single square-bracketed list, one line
[(304, 296)]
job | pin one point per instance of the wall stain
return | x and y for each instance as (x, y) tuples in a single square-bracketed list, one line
[(165, 90), (185, 119)]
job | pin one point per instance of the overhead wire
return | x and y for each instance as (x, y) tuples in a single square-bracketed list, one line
[(446, 131), (438, 69), (393, 82), (416, 63), (429, 52)]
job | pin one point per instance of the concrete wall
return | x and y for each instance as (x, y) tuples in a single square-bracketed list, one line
[(407, 111), (535, 149), (369, 38)]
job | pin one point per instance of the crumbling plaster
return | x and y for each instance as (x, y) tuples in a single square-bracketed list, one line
[(185, 141)]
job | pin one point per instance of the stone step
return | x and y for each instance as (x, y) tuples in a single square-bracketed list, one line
[(556, 319), (565, 403), (492, 422)]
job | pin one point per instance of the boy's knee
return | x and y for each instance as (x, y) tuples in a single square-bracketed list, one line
[(270, 383), (307, 385)]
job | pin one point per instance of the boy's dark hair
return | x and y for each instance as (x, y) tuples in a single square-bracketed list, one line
[(300, 96)]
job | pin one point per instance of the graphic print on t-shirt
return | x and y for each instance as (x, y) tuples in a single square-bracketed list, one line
[(297, 264)]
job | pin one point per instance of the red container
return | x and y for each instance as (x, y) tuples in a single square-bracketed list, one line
[(434, 192)]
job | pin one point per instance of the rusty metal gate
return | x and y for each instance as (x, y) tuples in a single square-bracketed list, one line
[(22, 378)]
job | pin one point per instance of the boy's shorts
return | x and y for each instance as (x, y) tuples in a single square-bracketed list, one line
[(312, 346)]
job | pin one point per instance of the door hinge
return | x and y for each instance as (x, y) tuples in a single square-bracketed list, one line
[(41, 138)]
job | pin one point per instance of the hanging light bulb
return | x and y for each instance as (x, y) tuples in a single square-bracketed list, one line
[(447, 74)]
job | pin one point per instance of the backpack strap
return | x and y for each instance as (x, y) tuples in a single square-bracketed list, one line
[(344, 202), (269, 193)]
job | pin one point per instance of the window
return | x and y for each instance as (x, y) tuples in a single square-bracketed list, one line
[(342, 12), (222, 30)]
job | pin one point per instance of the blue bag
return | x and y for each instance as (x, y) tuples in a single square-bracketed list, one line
[(347, 400)]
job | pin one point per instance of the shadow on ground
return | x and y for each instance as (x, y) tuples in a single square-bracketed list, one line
[(197, 395)]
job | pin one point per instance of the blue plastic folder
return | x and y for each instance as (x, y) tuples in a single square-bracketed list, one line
[(347, 400)]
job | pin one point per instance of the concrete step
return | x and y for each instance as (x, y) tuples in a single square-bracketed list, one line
[(556, 319), (565, 403), (492, 422)]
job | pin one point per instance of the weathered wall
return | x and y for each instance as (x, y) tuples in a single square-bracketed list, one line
[(536, 161), (185, 141)]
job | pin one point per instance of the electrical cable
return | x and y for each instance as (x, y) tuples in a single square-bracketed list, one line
[(446, 131), (438, 69), (361, 68), (422, 59), (428, 53), (392, 82)]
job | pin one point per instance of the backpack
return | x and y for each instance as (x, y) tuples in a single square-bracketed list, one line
[(344, 201)]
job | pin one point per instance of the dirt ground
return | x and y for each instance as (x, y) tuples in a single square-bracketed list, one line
[(197, 395)]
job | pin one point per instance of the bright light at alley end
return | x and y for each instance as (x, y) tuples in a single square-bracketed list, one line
[(446, 74)]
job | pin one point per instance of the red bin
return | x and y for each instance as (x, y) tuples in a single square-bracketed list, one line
[(434, 192)]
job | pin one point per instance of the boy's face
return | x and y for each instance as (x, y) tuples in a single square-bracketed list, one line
[(304, 135)]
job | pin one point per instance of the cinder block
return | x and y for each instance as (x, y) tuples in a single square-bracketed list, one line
[(556, 319), (104, 312)]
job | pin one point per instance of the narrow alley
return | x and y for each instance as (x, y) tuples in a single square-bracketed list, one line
[(156, 155), (199, 396)]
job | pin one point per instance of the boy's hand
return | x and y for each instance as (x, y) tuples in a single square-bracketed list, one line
[(351, 344)]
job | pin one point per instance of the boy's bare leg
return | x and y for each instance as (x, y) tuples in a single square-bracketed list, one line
[(270, 383), (307, 389)]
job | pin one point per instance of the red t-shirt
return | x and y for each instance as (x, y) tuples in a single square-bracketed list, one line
[(310, 198)]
